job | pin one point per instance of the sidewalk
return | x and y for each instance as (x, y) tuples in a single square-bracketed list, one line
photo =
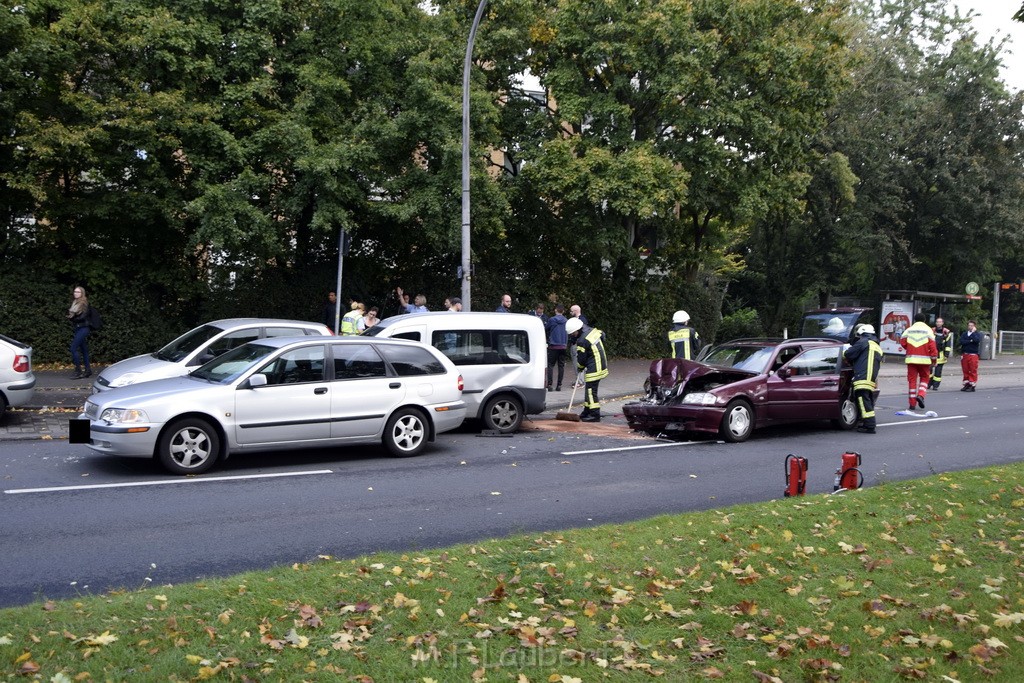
[(58, 397)]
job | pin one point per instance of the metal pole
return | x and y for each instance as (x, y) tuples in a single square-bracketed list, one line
[(337, 290), (995, 321), (467, 302)]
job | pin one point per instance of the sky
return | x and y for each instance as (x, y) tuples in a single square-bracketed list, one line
[(994, 20)]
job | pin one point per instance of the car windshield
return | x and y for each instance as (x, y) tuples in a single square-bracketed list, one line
[(187, 343), (829, 324), (225, 368), (747, 358)]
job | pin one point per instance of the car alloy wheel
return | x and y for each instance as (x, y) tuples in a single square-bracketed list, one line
[(189, 446), (406, 433), (503, 414)]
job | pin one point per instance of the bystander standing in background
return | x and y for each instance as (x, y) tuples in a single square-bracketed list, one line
[(330, 311), (78, 314), (506, 304), (970, 347), (557, 343)]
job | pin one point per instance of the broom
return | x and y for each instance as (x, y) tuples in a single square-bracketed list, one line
[(567, 414)]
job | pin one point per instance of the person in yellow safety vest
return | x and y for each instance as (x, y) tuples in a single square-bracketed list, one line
[(350, 323), (919, 342), (866, 357), (944, 345), (683, 339), (592, 361)]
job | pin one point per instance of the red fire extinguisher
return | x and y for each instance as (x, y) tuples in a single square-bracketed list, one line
[(796, 475), (848, 477)]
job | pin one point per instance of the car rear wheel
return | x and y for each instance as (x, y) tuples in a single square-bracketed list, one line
[(406, 433), (3, 405), (189, 446), (503, 414), (847, 414), (738, 422)]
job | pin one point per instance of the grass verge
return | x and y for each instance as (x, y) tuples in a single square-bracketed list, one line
[(916, 580)]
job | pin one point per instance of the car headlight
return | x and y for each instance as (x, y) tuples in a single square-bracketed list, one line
[(124, 415), (701, 398), (125, 379)]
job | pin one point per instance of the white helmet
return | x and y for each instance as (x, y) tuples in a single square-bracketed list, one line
[(866, 329), (573, 325), (681, 317)]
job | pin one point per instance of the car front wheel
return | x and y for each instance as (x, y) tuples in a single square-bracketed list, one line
[(406, 433), (847, 413), (503, 414), (738, 422), (189, 446)]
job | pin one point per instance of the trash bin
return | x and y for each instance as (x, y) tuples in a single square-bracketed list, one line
[(987, 350)]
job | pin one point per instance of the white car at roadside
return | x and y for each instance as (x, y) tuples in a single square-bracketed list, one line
[(198, 346), (17, 382), (281, 394)]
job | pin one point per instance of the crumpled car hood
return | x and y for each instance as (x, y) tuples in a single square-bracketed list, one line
[(670, 372)]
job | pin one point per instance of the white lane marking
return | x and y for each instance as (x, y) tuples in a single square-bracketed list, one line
[(189, 480), (927, 419), (637, 448)]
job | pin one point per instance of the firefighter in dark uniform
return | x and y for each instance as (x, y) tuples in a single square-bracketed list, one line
[(591, 361), (865, 356), (944, 343), (683, 339)]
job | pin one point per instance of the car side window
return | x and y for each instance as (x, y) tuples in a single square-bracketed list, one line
[(411, 336), (231, 340), (483, 347), (819, 361), (785, 355), (284, 332), (297, 366), (357, 361), (411, 360)]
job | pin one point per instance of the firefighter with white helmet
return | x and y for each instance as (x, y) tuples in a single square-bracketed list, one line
[(865, 356), (592, 361), (683, 339)]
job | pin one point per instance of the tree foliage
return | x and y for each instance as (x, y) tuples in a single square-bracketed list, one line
[(197, 159)]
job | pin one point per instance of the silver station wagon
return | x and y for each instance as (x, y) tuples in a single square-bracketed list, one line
[(198, 346), (278, 394)]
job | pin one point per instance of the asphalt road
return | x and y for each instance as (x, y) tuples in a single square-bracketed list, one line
[(77, 523)]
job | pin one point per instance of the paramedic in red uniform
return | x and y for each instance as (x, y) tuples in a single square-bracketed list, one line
[(919, 342)]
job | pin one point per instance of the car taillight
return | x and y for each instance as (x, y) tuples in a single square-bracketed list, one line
[(462, 385), (21, 364)]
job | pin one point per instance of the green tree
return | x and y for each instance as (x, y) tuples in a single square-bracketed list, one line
[(670, 124)]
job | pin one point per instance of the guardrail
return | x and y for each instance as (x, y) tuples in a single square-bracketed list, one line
[(1011, 341)]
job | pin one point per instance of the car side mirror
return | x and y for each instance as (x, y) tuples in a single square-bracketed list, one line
[(784, 372), (258, 380)]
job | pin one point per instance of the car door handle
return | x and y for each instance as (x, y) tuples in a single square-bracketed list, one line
[(395, 385), (320, 390), (829, 383)]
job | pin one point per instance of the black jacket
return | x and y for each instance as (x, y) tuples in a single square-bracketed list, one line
[(866, 357)]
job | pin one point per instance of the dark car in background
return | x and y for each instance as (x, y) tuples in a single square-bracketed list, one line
[(746, 384), (835, 323)]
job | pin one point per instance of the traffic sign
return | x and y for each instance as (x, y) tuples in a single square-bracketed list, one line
[(972, 288)]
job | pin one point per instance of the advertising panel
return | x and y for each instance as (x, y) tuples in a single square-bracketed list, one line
[(896, 317)]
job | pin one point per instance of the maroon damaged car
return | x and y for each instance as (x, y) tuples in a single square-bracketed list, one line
[(746, 384)]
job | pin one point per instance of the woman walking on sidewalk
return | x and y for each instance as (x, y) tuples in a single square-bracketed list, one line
[(78, 314)]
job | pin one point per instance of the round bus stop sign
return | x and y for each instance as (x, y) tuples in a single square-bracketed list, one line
[(972, 288)]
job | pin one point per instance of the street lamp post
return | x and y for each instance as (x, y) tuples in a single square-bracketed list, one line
[(467, 260)]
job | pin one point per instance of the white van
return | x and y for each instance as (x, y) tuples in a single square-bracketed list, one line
[(502, 358)]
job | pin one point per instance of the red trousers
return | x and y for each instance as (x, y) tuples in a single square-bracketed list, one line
[(918, 375), (969, 365)]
